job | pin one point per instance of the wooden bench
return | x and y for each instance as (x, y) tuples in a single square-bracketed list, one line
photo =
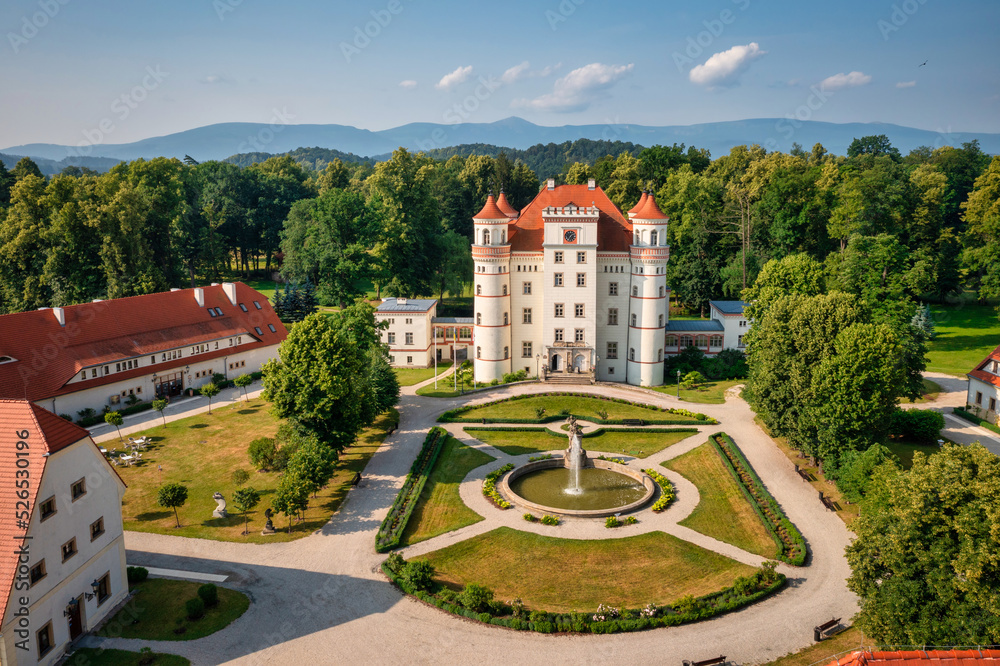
[(633, 422), (804, 474), (721, 659), (357, 479), (827, 502), (821, 629)]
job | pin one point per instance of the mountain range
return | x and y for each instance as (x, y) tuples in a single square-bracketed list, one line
[(222, 140)]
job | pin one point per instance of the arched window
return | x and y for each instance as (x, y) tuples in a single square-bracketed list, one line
[(635, 290), (686, 341), (479, 290), (702, 341), (671, 341), (479, 318), (631, 354), (661, 321), (633, 319), (505, 290), (659, 354), (661, 292), (506, 352), (636, 238), (504, 318), (652, 238), (479, 352), (503, 237), (486, 236)]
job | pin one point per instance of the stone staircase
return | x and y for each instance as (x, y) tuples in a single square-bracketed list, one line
[(569, 378)]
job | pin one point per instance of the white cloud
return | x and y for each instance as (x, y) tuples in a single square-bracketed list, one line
[(409, 83), (906, 84), (579, 89), (840, 81), (452, 79), (724, 68), (524, 70), (213, 79)]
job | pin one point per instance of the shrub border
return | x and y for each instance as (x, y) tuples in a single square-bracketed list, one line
[(392, 527), (705, 607), (969, 416), (771, 515), (667, 491), (490, 487)]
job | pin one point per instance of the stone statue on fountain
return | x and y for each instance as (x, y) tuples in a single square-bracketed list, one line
[(575, 456)]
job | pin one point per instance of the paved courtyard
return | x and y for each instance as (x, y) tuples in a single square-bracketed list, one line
[(322, 599)]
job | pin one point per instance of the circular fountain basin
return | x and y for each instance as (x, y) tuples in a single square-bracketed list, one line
[(608, 488)]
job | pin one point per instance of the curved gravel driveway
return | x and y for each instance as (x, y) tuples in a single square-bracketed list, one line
[(322, 600)]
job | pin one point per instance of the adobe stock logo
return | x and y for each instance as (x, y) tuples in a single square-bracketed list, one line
[(363, 36), (31, 25)]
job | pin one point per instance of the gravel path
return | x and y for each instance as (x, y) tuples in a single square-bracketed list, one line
[(322, 600)]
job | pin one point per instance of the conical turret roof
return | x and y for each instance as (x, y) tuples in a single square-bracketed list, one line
[(490, 211), (505, 206), (649, 210), (639, 204)]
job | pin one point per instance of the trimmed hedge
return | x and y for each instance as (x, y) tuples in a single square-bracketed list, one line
[(124, 411), (762, 584), (454, 415), (391, 529), (969, 416), (791, 546)]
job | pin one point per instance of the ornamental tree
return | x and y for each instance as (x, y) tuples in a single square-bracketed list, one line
[(209, 390), (245, 499), (159, 405), (171, 496), (243, 381), (115, 419)]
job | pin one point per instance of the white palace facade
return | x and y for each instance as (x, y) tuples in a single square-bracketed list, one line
[(571, 288)]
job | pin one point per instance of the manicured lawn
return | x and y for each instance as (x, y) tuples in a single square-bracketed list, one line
[(446, 388), (723, 512), (440, 508), (966, 333), (555, 574), (103, 657), (930, 391), (584, 407), (202, 451), (711, 393), (638, 444), (411, 376), (825, 652), (904, 451), (157, 612)]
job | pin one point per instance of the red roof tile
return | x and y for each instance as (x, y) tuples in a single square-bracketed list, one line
[(45, 433), (505, 206), (639, 204), (490, 211), (49, 355), (919, 658), (614, 231), (649, 210)]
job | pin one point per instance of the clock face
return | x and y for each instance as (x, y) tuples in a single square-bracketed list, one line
[(570, 236)]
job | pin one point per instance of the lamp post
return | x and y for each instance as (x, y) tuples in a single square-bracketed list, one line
[(538, 358), (435, 334), (678, 383)]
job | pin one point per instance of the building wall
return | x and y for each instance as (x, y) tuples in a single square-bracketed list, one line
[(416, 323), (618, 272), (735, 326), (531, 271), (70, 579), (493, 307), (981, 408)]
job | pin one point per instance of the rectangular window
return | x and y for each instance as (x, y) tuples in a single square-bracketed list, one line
[(581, 279), (993, 404), (578, 335), (612, 289), (578, 310), (559, 335), (244, 308), (559, 310), (97, 528), (392, 360), (44, 636), (979, 398), (581, 257), (69, 549), (78, 489), (257, 329), (409, 360), (270, 327), (558, 279), (526, 288), (739, 342), (526, 316), (558, 257), (391, 338), (47, 508), (409, 338), (256, 305), (409, 321), (525, 350), (612, 350), (612, 316), (37, 572), (103, 588), (611, 369)]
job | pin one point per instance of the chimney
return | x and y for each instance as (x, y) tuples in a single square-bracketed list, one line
[(199, 295), (60, 315), (230, 289), (552, 183), (591, 184), (400, 301)]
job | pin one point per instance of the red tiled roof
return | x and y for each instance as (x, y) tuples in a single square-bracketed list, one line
[(49, 355), (490, 211), (649, 210), (919, 658), (614, 231), (638, 205), (505, 206), (46, 433), (987, 377)]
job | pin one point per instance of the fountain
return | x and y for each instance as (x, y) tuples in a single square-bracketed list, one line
[(576, 485)]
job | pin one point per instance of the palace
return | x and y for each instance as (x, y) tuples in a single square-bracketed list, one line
[(572, 289)]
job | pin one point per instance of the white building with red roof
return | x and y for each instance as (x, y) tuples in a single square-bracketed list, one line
[(62, 569), (984, 387), (107, 353)]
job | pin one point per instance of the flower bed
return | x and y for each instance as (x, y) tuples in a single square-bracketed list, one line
[(391, 530), (607, 620), (667, 492), (455, 415), (490, 487), (786, 535)]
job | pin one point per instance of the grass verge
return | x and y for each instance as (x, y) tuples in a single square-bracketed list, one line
[(639, 444), (440, 508), (825, 652), (710, 393), (157, 613), (632, 571), (554, 405), (723, 512), (411, 376)]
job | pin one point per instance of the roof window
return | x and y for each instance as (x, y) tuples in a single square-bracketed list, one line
[(257, 305), (244, 308), (259, 332)]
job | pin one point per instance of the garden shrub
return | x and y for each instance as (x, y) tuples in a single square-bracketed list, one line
[(530, 517), (195, 608), (490, 487), (550, 520), (667, 492), (209, 594), (136, 574), (612, 521), (922, 426), (419, 574), (631, 520), (395, 563), (261, 452), (856, 470), (475, 597)]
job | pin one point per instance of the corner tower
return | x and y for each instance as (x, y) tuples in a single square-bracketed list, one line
[(491, 256), (648, 296)]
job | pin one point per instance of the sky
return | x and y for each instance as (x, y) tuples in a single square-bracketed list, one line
[(116, 71)]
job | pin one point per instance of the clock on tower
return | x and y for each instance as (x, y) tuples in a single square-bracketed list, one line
[(569, 236)]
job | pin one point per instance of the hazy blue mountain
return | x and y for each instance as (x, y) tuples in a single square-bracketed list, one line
[(225, 139), (51, 167)]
